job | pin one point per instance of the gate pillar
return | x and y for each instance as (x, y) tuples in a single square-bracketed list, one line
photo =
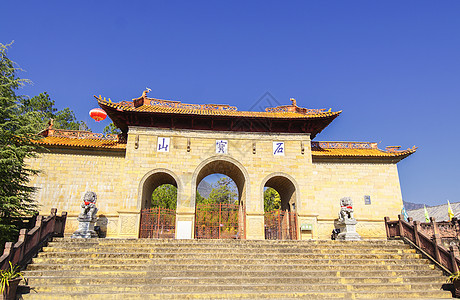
[(255, 226), (185, 224), (128, 223)]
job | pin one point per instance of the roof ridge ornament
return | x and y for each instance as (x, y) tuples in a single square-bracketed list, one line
[(294, 108), (140, 101), (145, 92)]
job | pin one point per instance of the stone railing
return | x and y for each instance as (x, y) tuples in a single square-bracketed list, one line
[(31, 241), (427, 237)]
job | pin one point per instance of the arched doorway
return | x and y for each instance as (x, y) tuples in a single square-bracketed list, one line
[(221, 219), (158, 194), (280, 218)]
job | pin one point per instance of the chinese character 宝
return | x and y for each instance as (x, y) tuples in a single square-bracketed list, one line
[(221, 146)]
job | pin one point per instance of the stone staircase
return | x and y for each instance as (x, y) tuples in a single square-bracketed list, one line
[(222, 269)]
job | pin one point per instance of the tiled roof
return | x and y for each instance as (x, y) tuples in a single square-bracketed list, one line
[(357, 149), (81, 142), (359, 152), (126, 106)]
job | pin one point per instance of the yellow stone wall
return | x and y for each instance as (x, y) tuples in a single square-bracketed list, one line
[(118, 180), (67, 174), (334, 180)]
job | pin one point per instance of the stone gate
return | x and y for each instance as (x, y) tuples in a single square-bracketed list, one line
[(169, 142)]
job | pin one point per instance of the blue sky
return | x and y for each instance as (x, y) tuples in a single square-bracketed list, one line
[(393, 67)]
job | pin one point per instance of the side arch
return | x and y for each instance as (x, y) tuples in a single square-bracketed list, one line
[(153, 179), (278, 181), (282, 224)]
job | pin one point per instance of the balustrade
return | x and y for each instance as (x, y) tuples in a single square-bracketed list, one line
[(437, 239), (30, 241)]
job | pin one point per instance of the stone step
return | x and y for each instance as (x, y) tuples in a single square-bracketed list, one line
[(233, 243), (227, 280), (226, 250), (195, 271), (330, 295), (223, 269), (235, 256), (208, 267), (200, 288), (246, 261)]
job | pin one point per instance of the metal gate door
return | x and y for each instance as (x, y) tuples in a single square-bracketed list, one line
[(280, 225), (219, 221), (158, 223)]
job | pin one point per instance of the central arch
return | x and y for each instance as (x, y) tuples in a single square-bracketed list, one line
[(233, 169)]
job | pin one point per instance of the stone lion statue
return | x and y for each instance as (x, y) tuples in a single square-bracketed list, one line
[(346, 209), (88, 207)]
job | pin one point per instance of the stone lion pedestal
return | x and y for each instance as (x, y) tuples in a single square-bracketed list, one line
[(87, 217), (347, 222)]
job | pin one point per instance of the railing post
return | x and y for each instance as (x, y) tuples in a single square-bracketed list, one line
[(436, 238), (36, 238), (20, 246), (416, 233), (401, 229), (387, 229), (7, 251), (453, 255), (62, 222), (50, 227), (457, 226)]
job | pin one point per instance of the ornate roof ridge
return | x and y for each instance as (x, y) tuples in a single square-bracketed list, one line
[(85, 142), (344, 145), (358, 145), (358, 149), (174, 104), (50, 131)]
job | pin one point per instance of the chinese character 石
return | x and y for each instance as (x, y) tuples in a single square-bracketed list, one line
[(221, 146), (278, 148), (163, 144)]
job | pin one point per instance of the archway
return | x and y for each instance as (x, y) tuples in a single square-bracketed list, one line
[(158, 212), (221, 219), (281, 221)]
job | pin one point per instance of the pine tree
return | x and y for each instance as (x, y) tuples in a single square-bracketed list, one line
[(16, 131), (42, 109)]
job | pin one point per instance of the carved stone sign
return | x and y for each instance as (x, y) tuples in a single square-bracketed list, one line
[(221, 147), (278, 148), (163, 144)]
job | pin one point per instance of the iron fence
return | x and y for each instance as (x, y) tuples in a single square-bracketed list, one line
[(219, 221), (158, 223), (280, 225)]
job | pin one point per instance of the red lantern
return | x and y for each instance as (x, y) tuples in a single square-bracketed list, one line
[(98, 114)]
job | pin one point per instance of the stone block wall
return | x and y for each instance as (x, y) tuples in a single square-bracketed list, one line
[(119, 178)]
